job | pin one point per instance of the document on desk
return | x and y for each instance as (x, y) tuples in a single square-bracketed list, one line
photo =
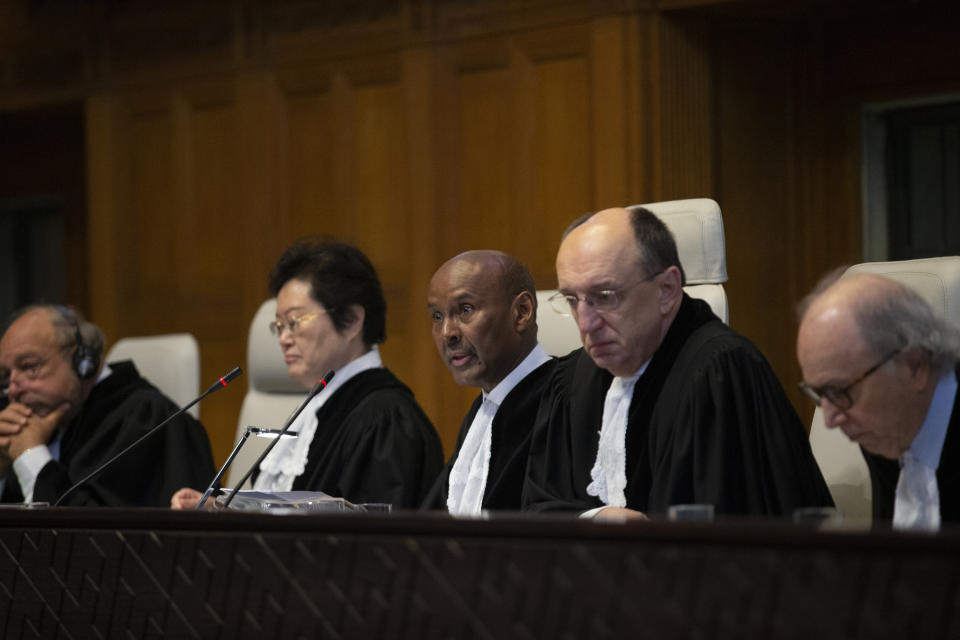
[(280, 502)]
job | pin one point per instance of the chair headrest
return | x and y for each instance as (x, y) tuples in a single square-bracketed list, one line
[(697, 226), (266, 370), (558, 334), (937, 280), (171, 362)]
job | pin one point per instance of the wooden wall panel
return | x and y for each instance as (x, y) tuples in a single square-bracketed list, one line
[(108, 186), (426, 143), (755, 129), (560, 164), (310, 166), (422, 129), (209, 229), (683, 88), (380, 219), (174, 236), (488, 160), (612, 100)]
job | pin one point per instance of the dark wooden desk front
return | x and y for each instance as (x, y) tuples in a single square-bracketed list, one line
[(72, 573)]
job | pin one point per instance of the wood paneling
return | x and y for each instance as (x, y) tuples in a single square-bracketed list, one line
[(755, 116), (216, 135)]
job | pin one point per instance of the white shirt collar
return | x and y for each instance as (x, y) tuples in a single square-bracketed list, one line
[(104, 373), (534, 359)]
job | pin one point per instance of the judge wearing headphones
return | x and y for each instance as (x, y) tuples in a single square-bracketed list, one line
[(67, 413)]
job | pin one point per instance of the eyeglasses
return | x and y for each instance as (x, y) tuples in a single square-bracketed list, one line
[(840, 396), (32, 368), (294, 324), (603, 300)]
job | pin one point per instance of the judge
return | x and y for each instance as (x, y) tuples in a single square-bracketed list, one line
[(483, 312), (664, 404), (364, 438), (884, 370), (68, 414)]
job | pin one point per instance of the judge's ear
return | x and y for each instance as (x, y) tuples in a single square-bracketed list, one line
[(671, 290), (356, 314), (917, 361), (523, 311)]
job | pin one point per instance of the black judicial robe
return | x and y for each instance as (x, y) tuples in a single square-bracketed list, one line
[(509, 444), (373, 444), (120, 409), (884, 474), (708, 423)]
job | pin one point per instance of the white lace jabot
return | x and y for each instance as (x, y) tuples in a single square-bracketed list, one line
[(609, 472)]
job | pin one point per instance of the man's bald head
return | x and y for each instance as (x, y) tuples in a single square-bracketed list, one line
[(502, 269), (483, 309), (656, 246)]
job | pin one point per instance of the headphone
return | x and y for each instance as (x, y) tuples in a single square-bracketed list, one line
[(86, 360)]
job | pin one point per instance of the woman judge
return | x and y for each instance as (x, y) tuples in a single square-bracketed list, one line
[(364, 438)]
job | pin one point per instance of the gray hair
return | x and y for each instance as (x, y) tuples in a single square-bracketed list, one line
[(67, 322), (902, 319)]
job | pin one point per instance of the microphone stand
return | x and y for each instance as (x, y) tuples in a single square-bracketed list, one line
[(219, 384), (317, 388), (233, 454)]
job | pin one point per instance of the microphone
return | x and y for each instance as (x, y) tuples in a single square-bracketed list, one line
[(317, 388), (258, 431), (219, 384)]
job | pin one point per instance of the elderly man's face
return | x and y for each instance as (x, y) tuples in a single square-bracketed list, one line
[(36, 368), (882, 418), (473, 323), (599, 256)]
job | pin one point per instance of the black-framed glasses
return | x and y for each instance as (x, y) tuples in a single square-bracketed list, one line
[(602, 300), (294, 324), (840, 396)]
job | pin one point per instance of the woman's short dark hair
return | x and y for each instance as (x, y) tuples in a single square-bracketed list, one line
[(340, 275)]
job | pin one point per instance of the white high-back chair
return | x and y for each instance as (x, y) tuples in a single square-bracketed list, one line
[(937, 280), (271, 394), (170, 362), (698, 228)]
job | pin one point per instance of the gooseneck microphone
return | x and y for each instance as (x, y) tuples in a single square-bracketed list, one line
[(219, 384), (259, 431), (317, 388)]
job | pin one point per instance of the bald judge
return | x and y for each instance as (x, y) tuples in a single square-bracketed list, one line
[(483, 308), (884, 370), (664, 404)]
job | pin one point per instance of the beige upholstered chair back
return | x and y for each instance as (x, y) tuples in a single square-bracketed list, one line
[(170, 362), (558, 334), (937, 280), (271, 394), (698, 228)]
